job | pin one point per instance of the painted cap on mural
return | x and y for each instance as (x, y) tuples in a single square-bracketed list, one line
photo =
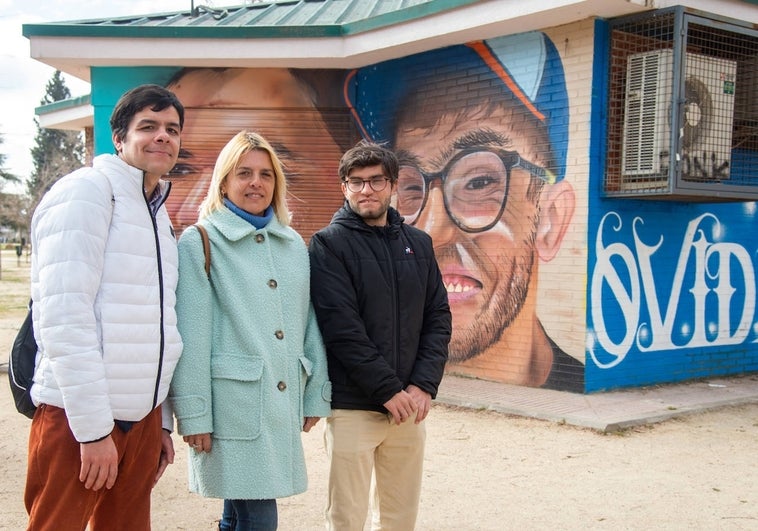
[(526, 67)]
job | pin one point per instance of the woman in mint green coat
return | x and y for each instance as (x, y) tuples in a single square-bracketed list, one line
[(253, 372)]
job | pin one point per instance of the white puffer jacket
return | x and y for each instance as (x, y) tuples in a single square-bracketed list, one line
[(104, 274)]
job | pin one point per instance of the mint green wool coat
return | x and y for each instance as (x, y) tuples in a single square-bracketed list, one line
[(253, 364)]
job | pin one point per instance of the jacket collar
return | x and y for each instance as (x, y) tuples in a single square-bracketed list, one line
[(234, 228), (347, 217), (114, 163)]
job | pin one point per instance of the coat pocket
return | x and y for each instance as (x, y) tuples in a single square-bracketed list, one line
[(237, 396)]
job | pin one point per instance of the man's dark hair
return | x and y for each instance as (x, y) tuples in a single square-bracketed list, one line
[(153, 97), (366, 154)]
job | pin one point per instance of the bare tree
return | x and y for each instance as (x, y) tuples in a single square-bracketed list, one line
[(5, 175), (55, 152), (12, 206)]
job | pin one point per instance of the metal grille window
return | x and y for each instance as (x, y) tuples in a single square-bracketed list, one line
[(682, 114)]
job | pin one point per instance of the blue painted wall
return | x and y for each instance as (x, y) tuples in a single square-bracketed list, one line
[(671, 285)]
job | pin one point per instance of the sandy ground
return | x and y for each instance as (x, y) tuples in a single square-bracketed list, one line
[(486, 471)]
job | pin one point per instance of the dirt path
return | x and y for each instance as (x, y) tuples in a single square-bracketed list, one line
[(486, 471)]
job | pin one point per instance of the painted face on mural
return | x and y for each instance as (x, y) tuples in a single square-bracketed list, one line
[(273, 103), (487, 273), (481, 134)]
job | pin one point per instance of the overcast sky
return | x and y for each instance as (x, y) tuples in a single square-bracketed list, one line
[(23, 80)]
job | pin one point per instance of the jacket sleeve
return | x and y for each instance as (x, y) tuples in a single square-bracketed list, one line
[(347, 342), (69, 233), (435, 332), (190, 391), (318, 390)]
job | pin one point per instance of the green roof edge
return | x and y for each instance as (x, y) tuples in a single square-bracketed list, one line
[(174, 32), (63, 104), (104, 29)]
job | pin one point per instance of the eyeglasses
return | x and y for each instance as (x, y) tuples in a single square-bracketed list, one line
[(474, 187), (356, 185)]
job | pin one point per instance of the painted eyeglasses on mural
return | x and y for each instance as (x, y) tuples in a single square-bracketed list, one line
[(474, 186)]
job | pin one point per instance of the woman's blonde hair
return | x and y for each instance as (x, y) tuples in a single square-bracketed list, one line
[(240, 145)]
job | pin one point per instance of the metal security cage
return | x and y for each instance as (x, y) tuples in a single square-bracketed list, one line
[(682, 108)]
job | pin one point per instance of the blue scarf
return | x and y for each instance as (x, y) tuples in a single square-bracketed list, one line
[(256, 221)]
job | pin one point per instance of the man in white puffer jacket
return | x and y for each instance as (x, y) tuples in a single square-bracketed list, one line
[(104, 273)]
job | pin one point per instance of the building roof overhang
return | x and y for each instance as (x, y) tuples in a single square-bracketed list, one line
[(240, 39), (308, 34)]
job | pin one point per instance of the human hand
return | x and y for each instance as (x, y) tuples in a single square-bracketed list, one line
[(200, 442), (401, 406), (167, 454), (99, 464), (422, 399), (309, 423)]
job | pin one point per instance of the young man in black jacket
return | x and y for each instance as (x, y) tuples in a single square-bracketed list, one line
[(386, 323)]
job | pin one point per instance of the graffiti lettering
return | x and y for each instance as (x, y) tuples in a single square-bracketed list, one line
[(705, 167), (698, 166), (627, 297), (709, 315)]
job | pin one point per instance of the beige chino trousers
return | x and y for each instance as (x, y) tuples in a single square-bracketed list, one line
[(360, 443)]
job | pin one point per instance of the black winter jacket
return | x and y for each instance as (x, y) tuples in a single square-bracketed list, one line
[(382, 308)]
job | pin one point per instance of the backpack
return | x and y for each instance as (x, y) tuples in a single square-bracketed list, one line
[(21, 366), (23, 358)]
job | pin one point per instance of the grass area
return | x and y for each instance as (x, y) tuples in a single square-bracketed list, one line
[(14, 285)]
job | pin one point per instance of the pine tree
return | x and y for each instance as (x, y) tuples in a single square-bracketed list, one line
[(56, 152)]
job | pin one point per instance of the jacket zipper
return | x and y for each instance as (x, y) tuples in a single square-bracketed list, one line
[(395, 309), (162, 343)]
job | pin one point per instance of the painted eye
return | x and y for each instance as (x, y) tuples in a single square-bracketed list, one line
[(182, 170)]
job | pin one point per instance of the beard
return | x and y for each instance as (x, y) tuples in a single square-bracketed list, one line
[(494, 317), (374, 214)]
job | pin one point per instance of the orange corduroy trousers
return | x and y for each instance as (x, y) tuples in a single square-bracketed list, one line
[(55, 498)]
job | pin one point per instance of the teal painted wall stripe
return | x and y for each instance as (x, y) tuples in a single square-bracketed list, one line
[(108, 84)]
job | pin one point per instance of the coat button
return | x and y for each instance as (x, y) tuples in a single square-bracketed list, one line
[(279, 334), (281, 386), (272, 284), (259, 238)]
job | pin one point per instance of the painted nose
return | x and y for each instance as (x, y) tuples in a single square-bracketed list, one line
[(434, 219)]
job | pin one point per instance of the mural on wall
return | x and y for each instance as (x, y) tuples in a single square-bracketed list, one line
[(672, 292), (481, 131), (291, 108)]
